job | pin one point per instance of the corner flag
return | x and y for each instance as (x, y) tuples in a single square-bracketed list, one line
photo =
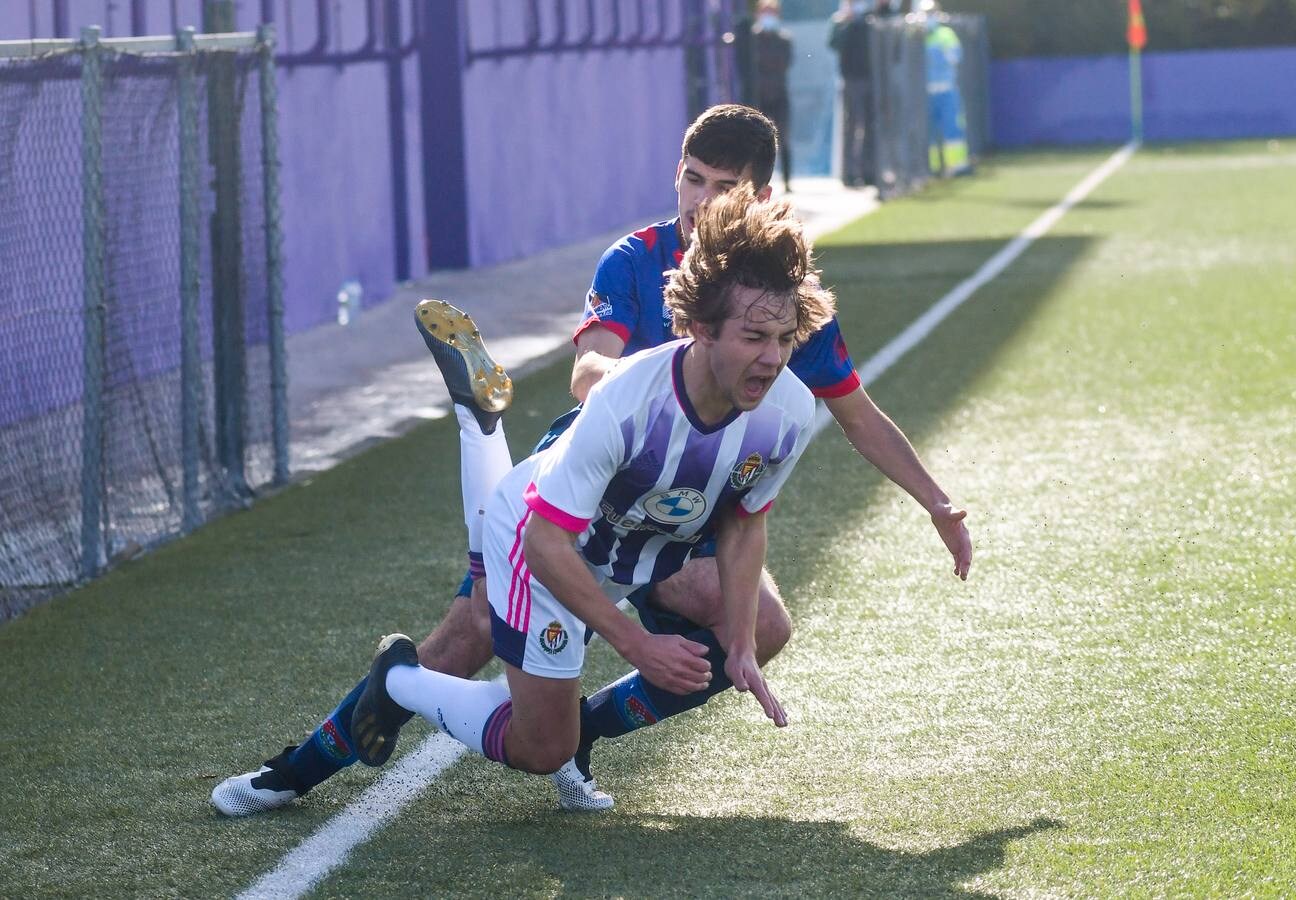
[(1136, 33)]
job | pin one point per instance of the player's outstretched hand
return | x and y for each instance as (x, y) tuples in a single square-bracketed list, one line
[(949, 525), (747, 676), (673, 663)]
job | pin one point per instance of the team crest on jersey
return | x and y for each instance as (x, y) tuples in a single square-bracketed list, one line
[(333, 742), (744, 474), (678, 506), (637, 712), (598, 307), (553, 638)]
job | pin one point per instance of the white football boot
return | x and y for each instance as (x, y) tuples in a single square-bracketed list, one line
[(252, 792), (576, 793)]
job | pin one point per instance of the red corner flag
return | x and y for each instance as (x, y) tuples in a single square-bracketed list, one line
[(1136, 33)]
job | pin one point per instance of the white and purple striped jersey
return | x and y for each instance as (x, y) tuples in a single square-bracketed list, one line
[(643, 480)]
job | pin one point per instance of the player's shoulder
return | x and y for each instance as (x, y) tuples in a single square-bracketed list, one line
[(636, 373), (645, 240)]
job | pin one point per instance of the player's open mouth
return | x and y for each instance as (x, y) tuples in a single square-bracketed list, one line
[(755, 388)]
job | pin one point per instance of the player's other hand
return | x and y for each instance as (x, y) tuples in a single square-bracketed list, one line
[(747, 676), (949, 525), (671, 662)]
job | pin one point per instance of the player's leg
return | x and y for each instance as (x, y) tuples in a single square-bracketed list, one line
[(693, 596), (538, 639), (460, 644), (688, 603), (532, 724)]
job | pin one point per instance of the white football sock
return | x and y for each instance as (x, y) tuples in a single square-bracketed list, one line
[(483, 460), (458, 706)]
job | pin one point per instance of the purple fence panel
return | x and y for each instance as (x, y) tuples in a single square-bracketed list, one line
[(559, 146), (1060, 101), (1209, 94), (1189, 95)]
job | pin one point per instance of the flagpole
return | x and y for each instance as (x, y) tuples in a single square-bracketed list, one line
[(1136, 94), (1136, 36)]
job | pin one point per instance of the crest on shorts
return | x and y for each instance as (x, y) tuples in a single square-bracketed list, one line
[(553, 638), (744, 474)]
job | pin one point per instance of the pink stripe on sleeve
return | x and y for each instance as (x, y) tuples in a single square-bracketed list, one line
[(743, 512), (547, 510)]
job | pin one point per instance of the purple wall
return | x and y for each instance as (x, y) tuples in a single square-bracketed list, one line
[(1190, 95), (560, 147), (557, 147)]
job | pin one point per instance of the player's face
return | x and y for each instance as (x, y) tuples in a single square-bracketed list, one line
[(696, 183), (752, 346)]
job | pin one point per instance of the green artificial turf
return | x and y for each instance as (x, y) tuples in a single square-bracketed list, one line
[(1105, 708)]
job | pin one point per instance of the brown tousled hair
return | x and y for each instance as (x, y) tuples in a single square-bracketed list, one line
[(740, 240)]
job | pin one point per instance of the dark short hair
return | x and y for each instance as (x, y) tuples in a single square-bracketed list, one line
[(739, 240), (733, 137)]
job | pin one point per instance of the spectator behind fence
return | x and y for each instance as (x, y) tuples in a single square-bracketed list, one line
[(850, 35), (947, 146), (744, 25), (771, 58)]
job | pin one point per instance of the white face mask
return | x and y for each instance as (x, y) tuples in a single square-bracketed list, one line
[(768, 21), (859, 7)]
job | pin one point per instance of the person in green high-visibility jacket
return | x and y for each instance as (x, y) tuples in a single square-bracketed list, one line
[(947, 125)]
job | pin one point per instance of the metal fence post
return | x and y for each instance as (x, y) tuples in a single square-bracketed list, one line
[(190, 223), (92, 214), (395, 65), (273, 250), (228, 314)]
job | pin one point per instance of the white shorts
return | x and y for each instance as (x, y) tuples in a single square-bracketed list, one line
[(530, 629)]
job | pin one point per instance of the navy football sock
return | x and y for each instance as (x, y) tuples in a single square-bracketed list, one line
[(633, 702), (329, 749)]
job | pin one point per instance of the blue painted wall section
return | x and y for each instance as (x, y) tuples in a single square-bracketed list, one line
[(1191, 95)]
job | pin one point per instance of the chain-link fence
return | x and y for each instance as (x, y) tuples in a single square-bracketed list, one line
[(141, 347), (901, 133)]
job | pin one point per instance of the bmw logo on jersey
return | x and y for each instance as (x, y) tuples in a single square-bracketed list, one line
[(677, 506)]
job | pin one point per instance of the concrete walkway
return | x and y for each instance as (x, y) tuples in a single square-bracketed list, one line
[(355, 385)]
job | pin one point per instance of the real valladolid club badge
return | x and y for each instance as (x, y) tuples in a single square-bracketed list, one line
[(553, 638), (746, 472)]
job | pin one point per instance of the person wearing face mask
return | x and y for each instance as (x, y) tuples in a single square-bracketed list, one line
[(771, 58), (850, 37)]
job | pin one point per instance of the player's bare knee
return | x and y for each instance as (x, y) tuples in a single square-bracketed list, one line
[(544, 759)]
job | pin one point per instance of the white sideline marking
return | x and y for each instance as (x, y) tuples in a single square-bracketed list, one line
[(990, 269), (308, 862), (397, 788)]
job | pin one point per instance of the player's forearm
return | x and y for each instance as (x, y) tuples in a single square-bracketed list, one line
[(740, 557), (552, 557), (880, 441)]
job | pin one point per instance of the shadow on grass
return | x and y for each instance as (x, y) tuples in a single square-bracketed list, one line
[(736, 855)]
